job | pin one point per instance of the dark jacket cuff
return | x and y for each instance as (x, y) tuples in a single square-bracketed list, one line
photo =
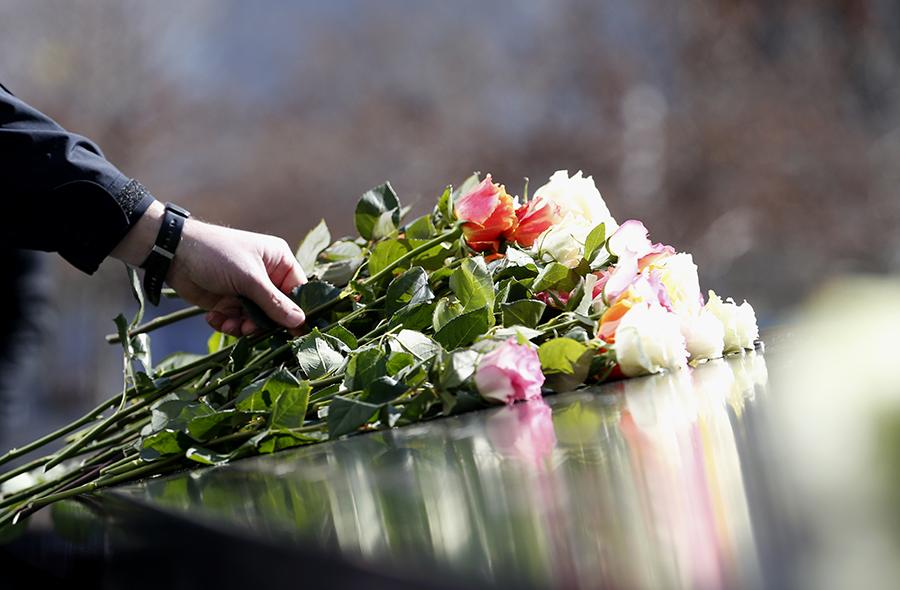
[(106, 215)]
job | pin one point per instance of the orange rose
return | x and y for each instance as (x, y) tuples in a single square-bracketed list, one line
[(534, 217), (489, 215)]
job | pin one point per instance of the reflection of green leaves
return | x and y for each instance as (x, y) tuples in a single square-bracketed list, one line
[(312, 245), (377, 212), (345, 415), (525, 312), (464, 329)]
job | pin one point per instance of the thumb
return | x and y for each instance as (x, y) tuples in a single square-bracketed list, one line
[(275, 304)]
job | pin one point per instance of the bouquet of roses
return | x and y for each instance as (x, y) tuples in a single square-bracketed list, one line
[(487, 299)]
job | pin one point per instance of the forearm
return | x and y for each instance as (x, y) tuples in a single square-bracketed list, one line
[(60, 193)]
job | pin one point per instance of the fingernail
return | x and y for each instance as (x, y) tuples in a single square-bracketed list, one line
[(296, 316)]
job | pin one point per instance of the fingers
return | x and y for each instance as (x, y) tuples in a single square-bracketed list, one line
[(287, 272), (274, 303)]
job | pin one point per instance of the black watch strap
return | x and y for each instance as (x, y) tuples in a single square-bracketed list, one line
[(156, 266)]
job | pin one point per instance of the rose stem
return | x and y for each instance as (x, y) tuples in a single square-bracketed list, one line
[(163, 320)]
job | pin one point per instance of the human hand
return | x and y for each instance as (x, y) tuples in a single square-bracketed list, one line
[(213, 265)]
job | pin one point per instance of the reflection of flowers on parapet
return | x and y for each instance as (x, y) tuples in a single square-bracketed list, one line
[(637, 484), (523, 432)]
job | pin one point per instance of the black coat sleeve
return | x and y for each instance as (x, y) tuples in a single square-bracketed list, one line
[(58, 192)]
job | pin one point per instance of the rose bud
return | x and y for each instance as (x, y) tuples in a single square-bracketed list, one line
[(489, 215)]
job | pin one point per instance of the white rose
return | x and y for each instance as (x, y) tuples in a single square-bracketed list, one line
[(578, 196), (679, 274), (704, 335), (739, 322), (648, 340), (564, 241)]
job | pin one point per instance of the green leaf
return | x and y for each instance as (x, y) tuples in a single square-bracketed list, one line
[(316, 356), (414, 317), (434, 258), (458, 367), (516, 264), (344, 335), (316, 240), (271, 441), (410, 288), (346, 414), (560, 355), (364, 367), (472, 285), (552, 275), (262, 393), (525, 312), (415, 343), (398, 361), (444, 206), (444, 311), (384, 253), (385, 389), (289, 409), (371, 208), (594, 241), (217, 341), (340, 261), (165, 442), (422, 228), (464, 329), (176, 361), (313, 294), (202, 428)]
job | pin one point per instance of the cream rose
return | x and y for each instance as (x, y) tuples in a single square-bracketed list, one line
[(704, 335), (648, 340), (578, 196), (739, 322), (564, 241)]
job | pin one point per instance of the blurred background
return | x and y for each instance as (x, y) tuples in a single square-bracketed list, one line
[(762, 136)]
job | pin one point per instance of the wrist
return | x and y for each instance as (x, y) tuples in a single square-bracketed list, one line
[(138, 242)]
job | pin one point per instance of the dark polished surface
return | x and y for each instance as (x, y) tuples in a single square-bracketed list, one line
[(660, 482)]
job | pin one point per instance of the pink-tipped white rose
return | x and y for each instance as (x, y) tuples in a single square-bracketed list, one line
[(510, 373)]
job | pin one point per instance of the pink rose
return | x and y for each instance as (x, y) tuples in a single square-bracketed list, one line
[(534, 218), (489, 215), (510, 373)]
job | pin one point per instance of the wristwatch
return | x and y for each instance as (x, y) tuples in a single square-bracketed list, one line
[(156, 265)]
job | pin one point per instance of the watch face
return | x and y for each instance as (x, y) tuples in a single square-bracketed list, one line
[(178, 210)]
